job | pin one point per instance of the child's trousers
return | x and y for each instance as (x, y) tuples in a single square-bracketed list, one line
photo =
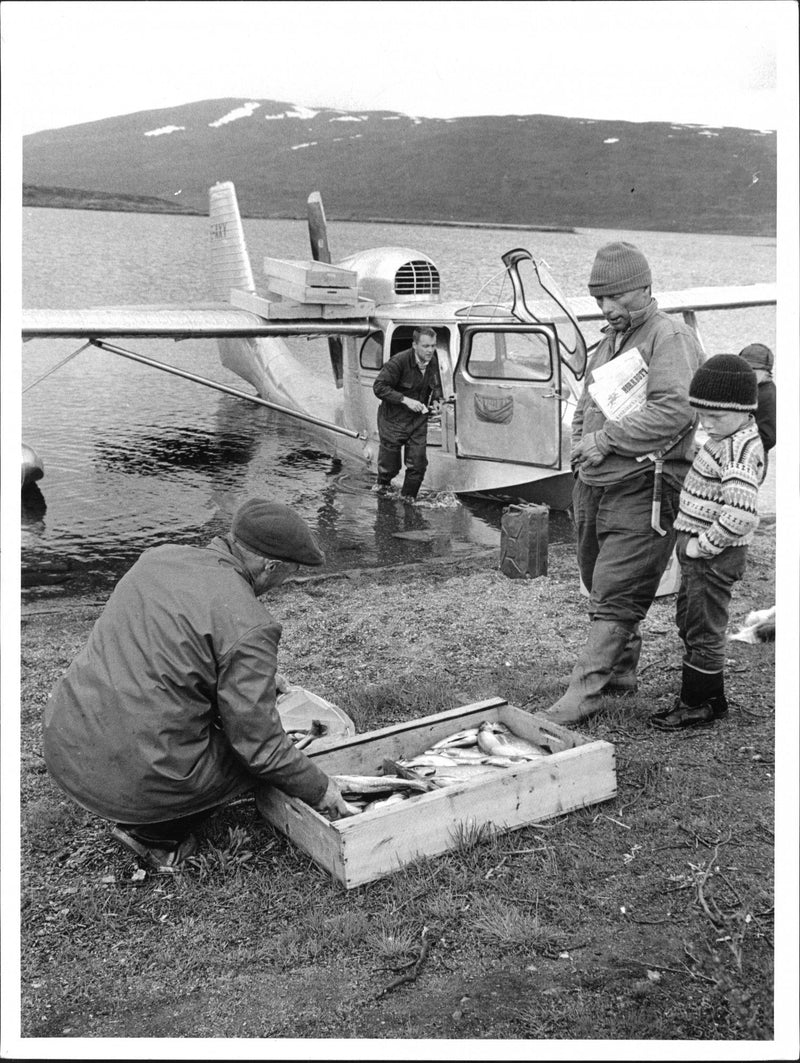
[(704, 598)]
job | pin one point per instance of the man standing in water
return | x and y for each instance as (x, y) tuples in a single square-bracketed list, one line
[(625, 534), (408, 386), (169, 710)]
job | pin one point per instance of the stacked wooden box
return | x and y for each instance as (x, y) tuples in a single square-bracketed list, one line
[(305, 289)]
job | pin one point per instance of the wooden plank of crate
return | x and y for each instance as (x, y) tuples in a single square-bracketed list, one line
[(306, 293), (363, 754), (309, 272), (278, 309), (304, 826)]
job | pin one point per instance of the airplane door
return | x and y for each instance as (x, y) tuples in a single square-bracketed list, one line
[(507, 386)]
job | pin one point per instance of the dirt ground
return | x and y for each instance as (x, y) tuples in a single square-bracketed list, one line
[(613, 961)]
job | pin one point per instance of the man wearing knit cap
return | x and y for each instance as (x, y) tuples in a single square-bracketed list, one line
[(761, 360), (169, 710), (628, 474), (716, 522)]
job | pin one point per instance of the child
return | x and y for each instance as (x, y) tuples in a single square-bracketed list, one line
[(761, 360), (717, 518)]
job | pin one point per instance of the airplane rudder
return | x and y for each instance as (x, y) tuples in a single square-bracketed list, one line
[(230, 262)]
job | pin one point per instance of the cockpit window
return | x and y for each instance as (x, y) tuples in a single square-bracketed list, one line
[(371, 354)]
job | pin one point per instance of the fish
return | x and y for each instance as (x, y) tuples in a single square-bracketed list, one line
[(468, 737), (376, 784), (427, 760), (496, 740), (758, 626)]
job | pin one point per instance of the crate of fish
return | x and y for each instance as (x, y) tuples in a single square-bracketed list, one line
[(413, 788)]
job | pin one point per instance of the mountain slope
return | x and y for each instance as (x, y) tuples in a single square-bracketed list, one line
[(527, 170)]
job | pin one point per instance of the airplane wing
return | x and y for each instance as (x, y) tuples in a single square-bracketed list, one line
[(730, 297), (192, 322)]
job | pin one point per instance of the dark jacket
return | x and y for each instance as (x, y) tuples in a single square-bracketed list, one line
[(400, 378), (170, 707), (765, 414), (672, 354)]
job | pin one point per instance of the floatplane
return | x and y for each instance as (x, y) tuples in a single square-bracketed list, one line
[(510, 374)]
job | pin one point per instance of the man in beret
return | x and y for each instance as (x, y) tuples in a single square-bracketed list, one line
[(169, 710), (624, 540)]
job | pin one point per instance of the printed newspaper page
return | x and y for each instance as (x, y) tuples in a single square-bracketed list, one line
[(619, 387)]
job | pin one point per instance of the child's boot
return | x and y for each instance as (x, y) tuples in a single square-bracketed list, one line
[(702, 702)]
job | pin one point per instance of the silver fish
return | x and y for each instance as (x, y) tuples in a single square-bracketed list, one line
[(496, 740), (468, 737), (376, 784)]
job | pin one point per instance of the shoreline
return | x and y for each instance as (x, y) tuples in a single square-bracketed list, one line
[(77, 199)]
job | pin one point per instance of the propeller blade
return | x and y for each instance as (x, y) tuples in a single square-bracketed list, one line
[(321, 252), (318, 229)]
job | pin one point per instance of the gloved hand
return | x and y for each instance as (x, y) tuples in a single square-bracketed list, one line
[(332, 803)]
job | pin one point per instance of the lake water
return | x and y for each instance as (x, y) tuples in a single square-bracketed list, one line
[(134, 457)]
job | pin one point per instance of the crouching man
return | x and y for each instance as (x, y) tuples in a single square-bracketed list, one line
[(169, 710)]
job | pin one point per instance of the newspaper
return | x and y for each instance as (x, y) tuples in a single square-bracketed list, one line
[(620, 386)]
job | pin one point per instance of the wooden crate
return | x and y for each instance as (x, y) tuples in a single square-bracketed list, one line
[(362, 848), (311, 282), (276, 308), (310, 274)]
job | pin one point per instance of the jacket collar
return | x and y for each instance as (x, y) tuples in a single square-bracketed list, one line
[(222, 546), (638, 318)]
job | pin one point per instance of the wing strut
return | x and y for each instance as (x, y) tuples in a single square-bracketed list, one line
[(112, 349)]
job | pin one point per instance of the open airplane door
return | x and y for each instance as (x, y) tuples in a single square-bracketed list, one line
[(537, 298), (508, 389)]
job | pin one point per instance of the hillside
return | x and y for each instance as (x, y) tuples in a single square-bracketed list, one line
[(534, 170)]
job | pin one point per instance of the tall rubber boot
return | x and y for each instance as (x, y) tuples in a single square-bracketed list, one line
[(608, 640), (623, 677), (701, 702)]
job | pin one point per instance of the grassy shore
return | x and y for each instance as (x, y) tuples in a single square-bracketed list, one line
[(648, 917)]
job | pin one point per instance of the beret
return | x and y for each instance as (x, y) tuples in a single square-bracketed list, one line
[(276, 531)]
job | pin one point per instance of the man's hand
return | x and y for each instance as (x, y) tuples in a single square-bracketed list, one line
[(333, 804), (282, 684), (588, 451), (693, 547), (415, 405)]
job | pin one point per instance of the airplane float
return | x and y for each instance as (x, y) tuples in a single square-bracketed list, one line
[(510, 374)]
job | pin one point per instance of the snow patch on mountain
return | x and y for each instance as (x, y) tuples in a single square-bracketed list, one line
[(296, 112), (245, 111), (164, 129)]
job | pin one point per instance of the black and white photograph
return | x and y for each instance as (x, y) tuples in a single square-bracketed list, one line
[(407, 398)]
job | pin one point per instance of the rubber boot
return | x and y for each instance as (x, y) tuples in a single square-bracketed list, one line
[(623, 678), (701, 702), (608, 640)]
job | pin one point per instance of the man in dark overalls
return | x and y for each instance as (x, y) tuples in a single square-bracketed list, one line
[(408, 386)]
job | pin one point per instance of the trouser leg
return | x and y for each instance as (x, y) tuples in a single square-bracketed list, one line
[(416, 464), (389, 462)]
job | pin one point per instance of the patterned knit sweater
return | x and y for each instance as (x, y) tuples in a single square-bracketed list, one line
[(719, 498)]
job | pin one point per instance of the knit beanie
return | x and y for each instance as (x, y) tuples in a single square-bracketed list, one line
[(275, 531), (758, 356), (724, 382), (619, 267)]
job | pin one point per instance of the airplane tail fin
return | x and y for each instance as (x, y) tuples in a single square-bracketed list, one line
[(230, 262)]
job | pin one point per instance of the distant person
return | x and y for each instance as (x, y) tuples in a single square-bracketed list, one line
[(623, 549), (169, 710), (761, 360), (409, 388), (716, 522)]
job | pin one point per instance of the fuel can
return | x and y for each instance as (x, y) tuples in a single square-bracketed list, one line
[(523, 541)]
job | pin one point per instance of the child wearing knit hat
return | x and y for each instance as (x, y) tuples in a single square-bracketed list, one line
[(717, 519)]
